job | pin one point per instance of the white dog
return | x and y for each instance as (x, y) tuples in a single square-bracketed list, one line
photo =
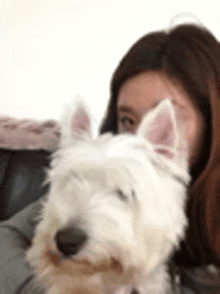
[(115, 210)]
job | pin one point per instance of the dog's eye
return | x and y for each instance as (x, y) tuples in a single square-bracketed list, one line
[(125, 197), (133, 195), (121, 195)]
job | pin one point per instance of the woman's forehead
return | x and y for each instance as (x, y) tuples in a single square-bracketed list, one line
[(147, 89)]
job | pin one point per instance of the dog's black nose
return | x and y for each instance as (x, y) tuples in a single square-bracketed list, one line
[(70, 240)]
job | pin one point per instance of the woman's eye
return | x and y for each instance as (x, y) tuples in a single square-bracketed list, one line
[(126, 124), (125, 121)]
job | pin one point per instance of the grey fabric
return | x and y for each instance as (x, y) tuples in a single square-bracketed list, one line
[(187, 291), (22, 178), (15, 238), (203, 280)]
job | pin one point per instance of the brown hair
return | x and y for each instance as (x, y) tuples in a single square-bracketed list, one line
[(191, 55)]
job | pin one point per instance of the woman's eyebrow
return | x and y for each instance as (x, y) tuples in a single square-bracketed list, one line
[(127, 109)]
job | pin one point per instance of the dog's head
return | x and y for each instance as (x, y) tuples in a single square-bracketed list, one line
[(116, 204)]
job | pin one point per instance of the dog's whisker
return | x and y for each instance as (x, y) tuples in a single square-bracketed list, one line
[(46, 271)]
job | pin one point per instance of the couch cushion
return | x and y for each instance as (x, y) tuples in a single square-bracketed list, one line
[(22, 174)]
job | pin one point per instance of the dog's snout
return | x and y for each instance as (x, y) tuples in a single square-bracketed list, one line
[(70, 240)]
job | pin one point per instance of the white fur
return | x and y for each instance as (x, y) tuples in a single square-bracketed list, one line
[(141, 231)]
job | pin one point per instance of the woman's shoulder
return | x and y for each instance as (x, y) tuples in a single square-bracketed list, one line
[(15, 238), (24, 221)]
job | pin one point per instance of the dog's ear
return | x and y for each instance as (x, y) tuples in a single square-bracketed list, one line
[(163, 128), (75, 122)]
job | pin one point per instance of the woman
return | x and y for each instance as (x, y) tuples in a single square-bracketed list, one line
[(183, 64)]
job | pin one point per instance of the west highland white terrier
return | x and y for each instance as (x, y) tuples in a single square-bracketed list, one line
[(114, 213)]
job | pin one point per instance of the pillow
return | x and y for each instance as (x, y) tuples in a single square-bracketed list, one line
[(20, 134)]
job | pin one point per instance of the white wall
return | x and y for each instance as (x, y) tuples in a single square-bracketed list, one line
[(52, 50)]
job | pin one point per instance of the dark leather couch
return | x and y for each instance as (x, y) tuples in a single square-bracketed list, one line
[(22, 174)]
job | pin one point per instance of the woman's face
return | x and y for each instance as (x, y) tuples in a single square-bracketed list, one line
[(144, 91)]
